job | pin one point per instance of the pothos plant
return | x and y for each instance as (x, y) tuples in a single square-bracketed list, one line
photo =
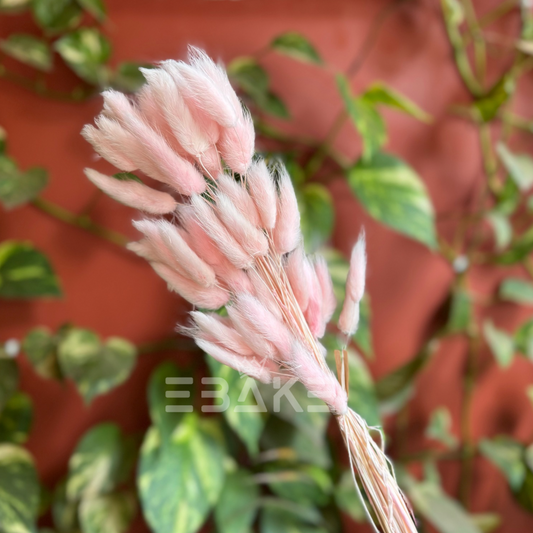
[(247, 470)]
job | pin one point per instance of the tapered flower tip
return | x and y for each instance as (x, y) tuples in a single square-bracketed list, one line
[(133, 193), (355, 282), (355, 288)]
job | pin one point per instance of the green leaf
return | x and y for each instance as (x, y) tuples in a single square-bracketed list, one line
[(253, 79), (365, 118), (285, 521), (271, 103), (506, 454), (99, 463), (440, 428), (96, 8), (29, 50), (56, 16), (25, 272), (303, 484), (283, 440), (297, 46), (17, 187), (503, 231), (128, 77), (95, 368), (86, 51), (500, 343), (517, 291), (9, 380), (19, 490), (393, 194), (16, 418), (347, 499), (249, 75), (444, 513), (520, 248), (112, 513), (169, 397), (299, 408), (14, 6), (519, 166), (487, 106), (243, 414), (338, 268), (237, 506), (181, 481), (317, 215), (460, 311), (524, 339), (40, 346), (507, 198), (379, 93)]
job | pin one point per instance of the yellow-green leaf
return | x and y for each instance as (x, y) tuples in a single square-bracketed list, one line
[(381, 94)]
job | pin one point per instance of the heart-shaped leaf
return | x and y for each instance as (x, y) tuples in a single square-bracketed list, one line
[(96, 368), (17, 187)]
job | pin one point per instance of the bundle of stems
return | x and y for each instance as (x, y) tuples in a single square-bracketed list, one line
[(225, 231)]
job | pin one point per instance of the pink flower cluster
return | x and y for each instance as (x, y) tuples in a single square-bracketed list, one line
[(224, 230), (234, 235)]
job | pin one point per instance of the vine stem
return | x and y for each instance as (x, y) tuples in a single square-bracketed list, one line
[(83, 222)]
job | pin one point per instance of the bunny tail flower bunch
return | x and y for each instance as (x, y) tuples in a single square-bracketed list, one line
[(225, 231)]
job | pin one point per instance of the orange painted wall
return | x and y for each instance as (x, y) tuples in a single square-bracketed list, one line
[(114, 293)]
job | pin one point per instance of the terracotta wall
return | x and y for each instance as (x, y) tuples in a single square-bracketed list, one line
[(113, 293)]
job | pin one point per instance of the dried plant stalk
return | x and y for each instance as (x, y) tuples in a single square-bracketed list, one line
[(234, 240)]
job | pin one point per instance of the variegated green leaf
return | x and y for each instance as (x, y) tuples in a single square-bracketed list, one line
[(393, 193), (40, 347), (25, 272), (95, 368), (86, 51), (19, 490), (99, 463), (29, 50), (180, 480), (111, 513)]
